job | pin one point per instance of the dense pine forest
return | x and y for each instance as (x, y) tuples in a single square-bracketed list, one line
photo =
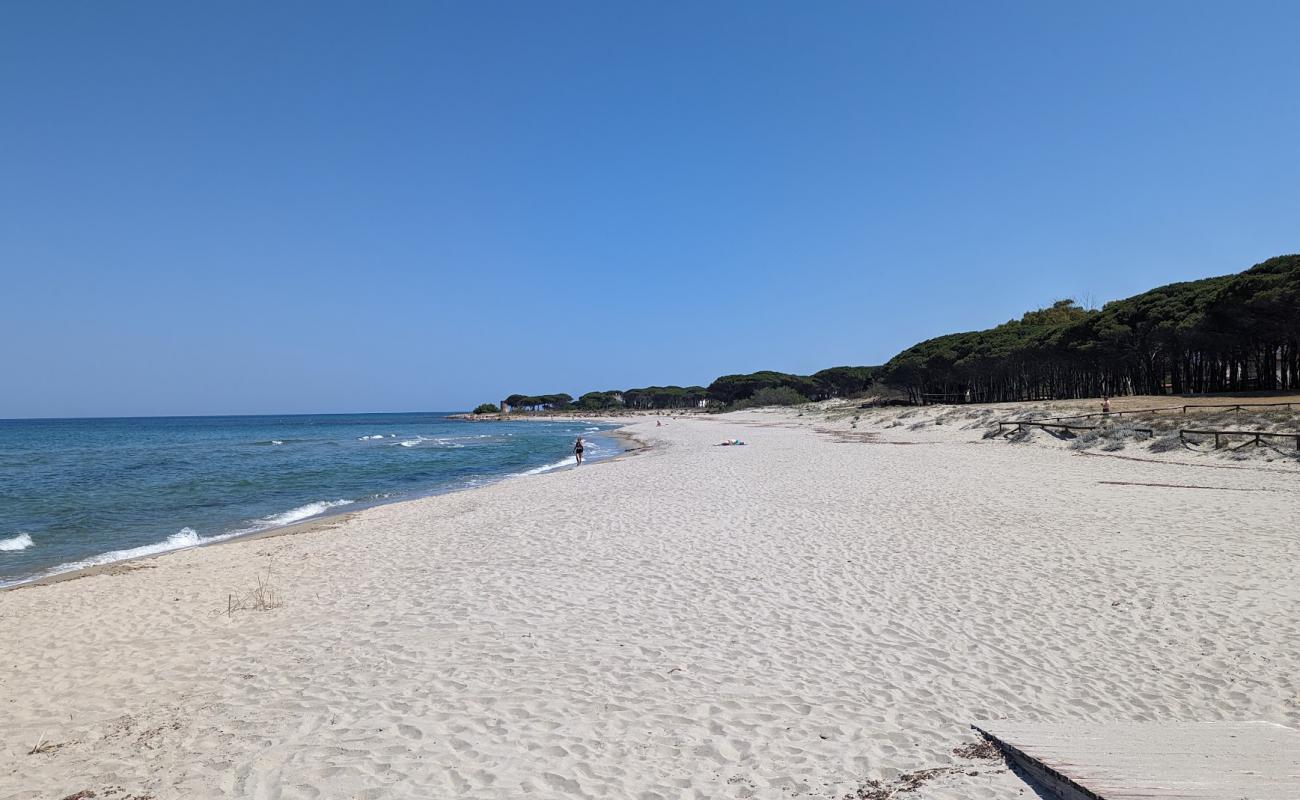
[(729, 391), (1231, 333), (1226, 334)]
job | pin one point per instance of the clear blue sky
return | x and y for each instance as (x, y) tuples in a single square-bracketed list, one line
[(245, 207)]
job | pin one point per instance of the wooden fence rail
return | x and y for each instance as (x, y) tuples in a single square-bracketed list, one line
[(1255, 440), (1182, 409), (1022, 424), (1237, 406), (1183, 433), (1117, 413)]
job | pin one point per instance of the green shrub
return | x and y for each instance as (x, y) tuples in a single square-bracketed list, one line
[(487, 408)]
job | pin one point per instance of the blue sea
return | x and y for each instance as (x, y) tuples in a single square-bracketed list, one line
[(80, 492)]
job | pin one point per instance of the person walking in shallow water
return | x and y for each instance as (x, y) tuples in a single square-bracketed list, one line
[(577, 451)]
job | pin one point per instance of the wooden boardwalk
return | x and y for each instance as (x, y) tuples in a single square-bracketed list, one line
[(1148, 761)]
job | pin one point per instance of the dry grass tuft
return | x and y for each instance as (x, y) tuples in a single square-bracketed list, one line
[(262, 597), (43, 746)]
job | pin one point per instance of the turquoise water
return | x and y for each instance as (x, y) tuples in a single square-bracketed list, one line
[(79, 492)]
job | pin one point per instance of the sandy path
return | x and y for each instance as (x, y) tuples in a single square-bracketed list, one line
[(793, 618)]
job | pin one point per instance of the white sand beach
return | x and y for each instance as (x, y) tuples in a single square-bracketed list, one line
[(820, 613)]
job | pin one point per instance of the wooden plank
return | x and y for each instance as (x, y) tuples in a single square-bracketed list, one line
[(1118, 413), (1147, 761), (1235, 406), (1283, 434), (1021, 424), (1256, 434)]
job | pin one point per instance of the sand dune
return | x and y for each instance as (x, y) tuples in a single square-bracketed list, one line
[(812, 615)]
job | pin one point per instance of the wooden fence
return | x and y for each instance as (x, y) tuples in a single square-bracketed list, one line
[(1118, 413), (1022, 424), (1182, 409), (1255, 440), (1257, 437), (1238, 406)]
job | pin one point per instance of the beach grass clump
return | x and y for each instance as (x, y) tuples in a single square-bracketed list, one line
[(1116, 437), (264, 596), (1086, 440), (1021, 435), (1166, 443), (1110, 437)]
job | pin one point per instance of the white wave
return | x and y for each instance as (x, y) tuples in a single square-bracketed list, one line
[(180, 540), (300, 513), (376, 436), (183, 539), (440, 442), (547, 467), (276, 441), (20, 542)]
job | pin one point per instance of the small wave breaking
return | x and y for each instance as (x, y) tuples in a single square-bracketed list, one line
[(568, 462), (15, 543), (180, 540), (430, 440), (183, 539), (300, 513)]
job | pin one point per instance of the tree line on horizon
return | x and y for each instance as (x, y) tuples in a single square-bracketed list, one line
[(1230, 333), (780, 388)]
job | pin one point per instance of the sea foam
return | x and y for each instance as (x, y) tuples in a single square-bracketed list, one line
[(547, 467), (20, 542), (436, 440), (183, 539), (300, 513), (180, 540)]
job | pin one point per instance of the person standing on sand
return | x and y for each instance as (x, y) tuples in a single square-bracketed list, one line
[(577, 451), (1105, 404)]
